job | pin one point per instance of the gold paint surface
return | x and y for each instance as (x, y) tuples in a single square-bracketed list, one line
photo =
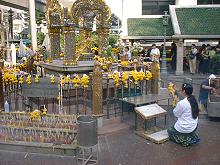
[(97, 90)]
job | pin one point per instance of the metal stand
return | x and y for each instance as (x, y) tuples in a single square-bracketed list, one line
[(88, 155)]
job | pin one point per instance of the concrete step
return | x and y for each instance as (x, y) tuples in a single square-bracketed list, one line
[(112, 125), (42, 148)]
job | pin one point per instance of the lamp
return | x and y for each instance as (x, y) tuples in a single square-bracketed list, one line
[(164, 62)]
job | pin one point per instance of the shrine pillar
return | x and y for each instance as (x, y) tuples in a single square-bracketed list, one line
[(179, 58), (70, 46), (54, 17), (155, 70), (97, 108), (54, 34)]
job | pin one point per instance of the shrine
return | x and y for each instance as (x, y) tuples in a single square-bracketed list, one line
[(81, 16), (94, 87)]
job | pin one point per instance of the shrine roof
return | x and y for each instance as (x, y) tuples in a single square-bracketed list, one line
[(148, 27), (198, 20)]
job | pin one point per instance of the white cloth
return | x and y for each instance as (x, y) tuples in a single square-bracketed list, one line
[(185, 122), (128, 53), (194, 51), (192, 65), (13, 54), (212, 76), (155, 51)]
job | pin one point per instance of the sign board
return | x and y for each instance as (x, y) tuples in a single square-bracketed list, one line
[(150, 111), (42, 89)]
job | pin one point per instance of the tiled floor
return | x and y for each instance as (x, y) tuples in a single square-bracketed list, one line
[(118, 145), (121, 146)]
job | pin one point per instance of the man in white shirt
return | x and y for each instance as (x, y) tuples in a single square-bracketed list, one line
[(127, 53), (155, 52)]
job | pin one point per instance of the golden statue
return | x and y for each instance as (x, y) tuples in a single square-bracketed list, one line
[(54, 14), (84, 12), (83, 15)]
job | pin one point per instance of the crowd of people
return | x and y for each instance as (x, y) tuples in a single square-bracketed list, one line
[(148, 54), (201, 60), (204, 59)]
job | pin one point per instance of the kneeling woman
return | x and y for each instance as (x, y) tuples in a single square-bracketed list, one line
[(187, 111)]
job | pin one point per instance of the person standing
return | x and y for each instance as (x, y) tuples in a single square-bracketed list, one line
[(173, 55), (127, 53), (206, 87), (187, 112), (218, 48), (146, 55), (212, 55), (200, 59), (206, 59), (192, 59), (155, 52)]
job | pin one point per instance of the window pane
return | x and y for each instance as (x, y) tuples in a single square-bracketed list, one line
[(156, 7)]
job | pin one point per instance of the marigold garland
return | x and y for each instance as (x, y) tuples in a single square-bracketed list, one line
[(37, 79), (135, 76), (172, 90), (76, 80), (28, 80), (148, 75), (21, 80), (67, 80), (116, 78), (52, 79), (124, 76), (124, 79), (85, 81), (124, 63)]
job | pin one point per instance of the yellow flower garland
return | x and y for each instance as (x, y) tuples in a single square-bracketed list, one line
[(85, 81), (172, 90), (124, 63), (37, 79), (21, 80), (141, 75), (44, 111), (28, 80), (67, 80), (116, 78), (35, 115), (124, 79), (76, 80), (52, 79), (148, 75), (135, 76), (9, 75)]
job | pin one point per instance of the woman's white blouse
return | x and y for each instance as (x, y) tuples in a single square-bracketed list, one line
[(185, 122)]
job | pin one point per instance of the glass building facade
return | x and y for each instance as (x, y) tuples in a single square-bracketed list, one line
[(207, 2), (156, 7)]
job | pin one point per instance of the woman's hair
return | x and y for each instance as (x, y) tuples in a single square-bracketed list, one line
[(192, 100)]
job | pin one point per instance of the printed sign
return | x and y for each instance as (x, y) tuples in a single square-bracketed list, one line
[(42, 89)]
